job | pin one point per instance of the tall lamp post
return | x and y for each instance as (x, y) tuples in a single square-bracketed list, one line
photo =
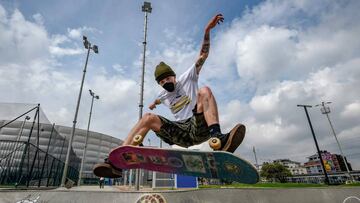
[(256, 161), (326, 110), (87, 46), (93, 96), (146, 8), (316, 143)]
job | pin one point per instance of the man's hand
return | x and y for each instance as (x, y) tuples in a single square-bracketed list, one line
[(152, 106), (214, 21)]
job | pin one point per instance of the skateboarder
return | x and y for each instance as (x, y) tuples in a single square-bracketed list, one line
[(195, 110)]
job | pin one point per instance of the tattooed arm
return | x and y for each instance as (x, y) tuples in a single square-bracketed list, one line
[(206, 43)]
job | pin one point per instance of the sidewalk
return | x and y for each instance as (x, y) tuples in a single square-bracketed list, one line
[(88, 188), (106, 188)]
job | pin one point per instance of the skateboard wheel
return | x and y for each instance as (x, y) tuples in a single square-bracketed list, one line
[(138, 139), (215, 143)]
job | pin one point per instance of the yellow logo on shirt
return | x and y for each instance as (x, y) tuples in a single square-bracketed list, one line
[(180, 104)]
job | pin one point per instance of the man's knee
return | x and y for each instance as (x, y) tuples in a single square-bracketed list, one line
[(150, 118), (205, 92)]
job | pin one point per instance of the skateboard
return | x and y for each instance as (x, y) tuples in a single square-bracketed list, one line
[(207, 164)]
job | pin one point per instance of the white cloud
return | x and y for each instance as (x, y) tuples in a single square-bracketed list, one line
[(39, 19), (3, 17), (351, 110), (119, 68), (265, 53), (58, 51), (77, 33), (20, 40), (59, 40), (60, 43), (115, 90)]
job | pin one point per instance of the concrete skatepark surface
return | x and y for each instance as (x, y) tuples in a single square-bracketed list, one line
[(90, 194)]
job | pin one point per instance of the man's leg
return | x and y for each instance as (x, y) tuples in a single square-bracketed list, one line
[(148, 122), (206, 104)]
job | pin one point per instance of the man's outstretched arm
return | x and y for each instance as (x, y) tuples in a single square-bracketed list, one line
[(206, 42)]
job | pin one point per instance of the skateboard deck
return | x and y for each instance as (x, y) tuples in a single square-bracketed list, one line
[(207, 164)]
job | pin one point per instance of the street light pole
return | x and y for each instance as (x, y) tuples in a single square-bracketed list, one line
[(316, 143), (256, 161), (326, 110), (87, 46), (93, 96), (146, 8)]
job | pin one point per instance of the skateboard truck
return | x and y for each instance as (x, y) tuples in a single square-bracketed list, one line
[(137, 140), (215, 143)]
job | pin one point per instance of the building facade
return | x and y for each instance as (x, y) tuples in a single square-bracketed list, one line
[(332, 163), (340, 164), (294, 167)]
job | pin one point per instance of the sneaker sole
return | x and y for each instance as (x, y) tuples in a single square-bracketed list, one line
[(236, 137), (106, 170)]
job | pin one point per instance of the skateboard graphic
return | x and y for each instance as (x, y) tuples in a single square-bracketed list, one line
[(209, 164)]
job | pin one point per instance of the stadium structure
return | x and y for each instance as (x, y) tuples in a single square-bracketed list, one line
[(33, 151)]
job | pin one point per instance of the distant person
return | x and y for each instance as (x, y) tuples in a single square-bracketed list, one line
[(101, 182), (195, 110)]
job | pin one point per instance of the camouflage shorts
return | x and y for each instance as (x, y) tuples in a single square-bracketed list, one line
[(184, 133)]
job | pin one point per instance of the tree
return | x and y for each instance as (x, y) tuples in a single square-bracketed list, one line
[(275, 171)]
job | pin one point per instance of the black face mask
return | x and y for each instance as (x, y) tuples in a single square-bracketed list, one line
[(169, 86)]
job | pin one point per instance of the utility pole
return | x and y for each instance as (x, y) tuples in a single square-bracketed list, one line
[(326, 110), (316, 143)]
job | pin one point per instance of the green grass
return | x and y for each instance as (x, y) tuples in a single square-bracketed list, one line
[(265, 185), (7, 186), (352, 184)]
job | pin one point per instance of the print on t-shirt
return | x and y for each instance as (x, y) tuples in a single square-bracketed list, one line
[(179, 104)]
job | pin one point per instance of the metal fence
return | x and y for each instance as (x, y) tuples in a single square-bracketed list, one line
[(22, 164), (31, 152)]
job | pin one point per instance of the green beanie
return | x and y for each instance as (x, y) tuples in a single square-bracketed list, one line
[(162, 71)]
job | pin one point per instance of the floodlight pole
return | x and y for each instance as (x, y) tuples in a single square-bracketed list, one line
[(326, 110), (146, 8), (316, 143), (87, 46), (256, 161), (93, 96)]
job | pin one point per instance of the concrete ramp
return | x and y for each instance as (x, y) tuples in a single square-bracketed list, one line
[(302, 195)]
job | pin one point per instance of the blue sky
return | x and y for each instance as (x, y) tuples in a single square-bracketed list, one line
[(267, 57)]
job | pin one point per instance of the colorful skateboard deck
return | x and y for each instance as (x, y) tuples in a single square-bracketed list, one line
[(212, 164)]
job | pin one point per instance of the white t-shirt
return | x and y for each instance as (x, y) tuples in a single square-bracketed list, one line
[(182, 100)]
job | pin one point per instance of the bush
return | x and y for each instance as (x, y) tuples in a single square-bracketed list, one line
[(275, 171)]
